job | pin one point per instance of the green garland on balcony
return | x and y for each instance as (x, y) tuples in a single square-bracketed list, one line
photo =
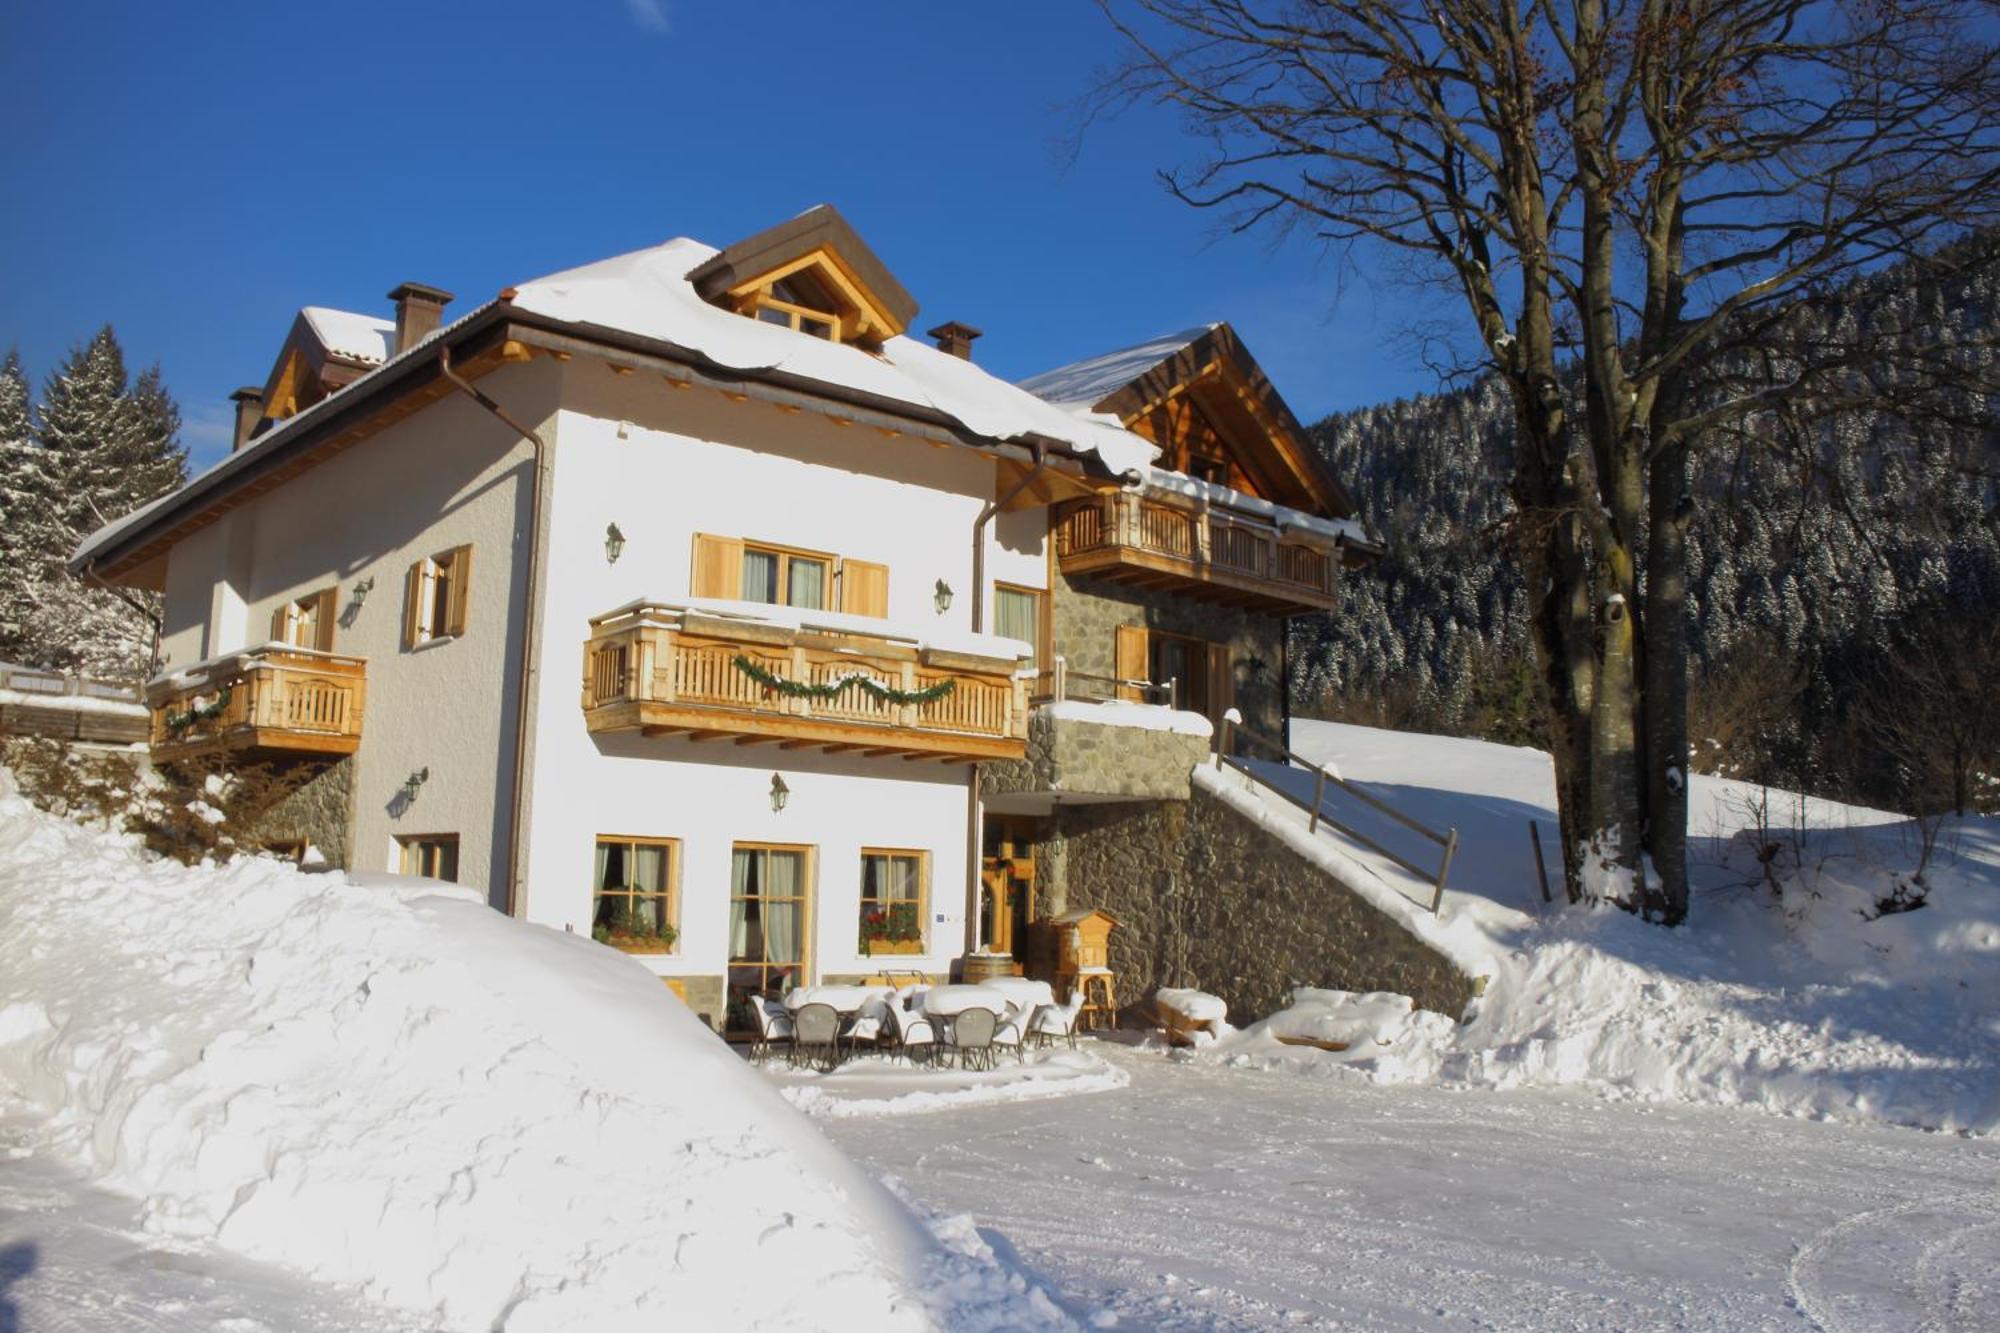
[(198, 712), (867, 684)]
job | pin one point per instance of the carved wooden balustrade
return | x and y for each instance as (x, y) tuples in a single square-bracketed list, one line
[(661, 669), (273, 701), (1145, 540)]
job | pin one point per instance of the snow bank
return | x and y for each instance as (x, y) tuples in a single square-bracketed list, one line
[(401, 1091), (1810, 1004), (1130, 713), (868, 1087)]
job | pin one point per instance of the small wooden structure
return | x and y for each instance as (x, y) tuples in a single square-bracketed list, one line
[(1083, 961)]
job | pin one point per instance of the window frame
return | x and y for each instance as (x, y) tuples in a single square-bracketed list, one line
[(922, 857), (1044, 656), (671, 891), (415, 844), (438, 597), (808, 913), (785, 555)]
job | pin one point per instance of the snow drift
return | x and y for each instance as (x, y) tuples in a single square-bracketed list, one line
[(399, 1090), (1807, 1002)]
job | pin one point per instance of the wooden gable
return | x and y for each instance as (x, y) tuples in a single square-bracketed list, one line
[(814, 272), (1215, 415)]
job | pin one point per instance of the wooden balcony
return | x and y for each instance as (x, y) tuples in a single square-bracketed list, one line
[(664, 670), (267, 703), (1129, 537)]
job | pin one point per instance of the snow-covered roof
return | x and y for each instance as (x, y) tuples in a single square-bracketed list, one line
[(350, 336), (1081, 385), (1345, 530), (647, 292)]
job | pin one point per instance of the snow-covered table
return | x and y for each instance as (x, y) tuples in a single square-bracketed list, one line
[(944, 1001), (1026, 993), (844, 999)]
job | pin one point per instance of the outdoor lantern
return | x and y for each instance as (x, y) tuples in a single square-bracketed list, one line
[(780, 793), (614, 543), (363, 588), (942, 597), (416, 780)]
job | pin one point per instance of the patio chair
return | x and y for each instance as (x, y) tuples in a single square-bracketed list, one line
[(774, 1025), (914, 1034), (972, 1037), (816, 1037), (1007, 1036), (866, 1026), (1056, 1021)]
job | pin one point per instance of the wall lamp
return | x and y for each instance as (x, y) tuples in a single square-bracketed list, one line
[(614, 543), (942, 597), (414, 781), (363, 588), (780, 793)]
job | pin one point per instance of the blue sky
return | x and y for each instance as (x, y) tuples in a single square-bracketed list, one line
[(193, 173)]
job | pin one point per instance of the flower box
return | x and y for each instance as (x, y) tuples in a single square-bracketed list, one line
[(875, 948)]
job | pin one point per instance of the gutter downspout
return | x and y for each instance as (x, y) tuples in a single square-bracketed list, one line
[(974, 819), (531, 613), (979, 534)]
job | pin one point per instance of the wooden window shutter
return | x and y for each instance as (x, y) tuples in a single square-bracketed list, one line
[(458, 591), (718, 567), (1221, 682), (281, 623), (323, 619), (864, 588), (413, 606), (1130, 661)]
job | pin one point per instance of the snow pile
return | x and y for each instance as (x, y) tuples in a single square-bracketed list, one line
[(1810, 1002), (401, 1091), (1197, 1006), (1129, 713), (871, 1087)]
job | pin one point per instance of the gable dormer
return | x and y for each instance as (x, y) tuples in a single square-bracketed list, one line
[(813, 274)]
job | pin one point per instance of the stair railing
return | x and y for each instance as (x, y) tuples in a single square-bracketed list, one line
[(1225, 751)]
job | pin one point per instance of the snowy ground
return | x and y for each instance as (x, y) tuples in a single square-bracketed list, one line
[(1797, 1004), (77, 1259), (1207, 1197)]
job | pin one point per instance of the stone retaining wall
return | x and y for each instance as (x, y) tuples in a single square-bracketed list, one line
[(320, 810), (1206, 898), (1072, 756)]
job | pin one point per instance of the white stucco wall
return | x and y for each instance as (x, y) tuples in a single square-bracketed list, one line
[(694, 461), (448, 475)]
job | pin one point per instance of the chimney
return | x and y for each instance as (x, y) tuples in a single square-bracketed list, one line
[(249, 402), (955, 338), (419, 310)]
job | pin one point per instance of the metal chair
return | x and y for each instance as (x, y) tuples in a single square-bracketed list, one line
[(816, 1037), (1056, 1021), (914, 1033), (773, 1026), (972, 1037), (1009, 1034)]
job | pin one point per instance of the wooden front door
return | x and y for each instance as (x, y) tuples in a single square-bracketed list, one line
[(1007, 883)]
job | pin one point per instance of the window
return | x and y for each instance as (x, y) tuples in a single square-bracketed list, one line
[(1017, 614), (799, 302), (634, 907), (893, 890), (306, 623), (1213, 470), (769, 891), (432, 855), (439, 590), (785, 578)]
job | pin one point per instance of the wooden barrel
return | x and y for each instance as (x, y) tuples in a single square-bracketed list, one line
[(986, 966)]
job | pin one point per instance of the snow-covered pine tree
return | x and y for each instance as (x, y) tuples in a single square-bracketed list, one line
[(101, 451), (19, 481)]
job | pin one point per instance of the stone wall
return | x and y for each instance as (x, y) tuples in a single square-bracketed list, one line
[(320, 810), (1068, 755), (1086, 614), (1206, 898)]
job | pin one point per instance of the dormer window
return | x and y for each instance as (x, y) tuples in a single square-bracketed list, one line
[(799, 302), (812, 275)]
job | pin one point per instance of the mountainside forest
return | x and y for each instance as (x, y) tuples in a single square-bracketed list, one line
[(1845, 571)]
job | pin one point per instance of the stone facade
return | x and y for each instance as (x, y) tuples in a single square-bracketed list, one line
[(1086, 613), (1070, 756), (1206, 898), (319, 810)]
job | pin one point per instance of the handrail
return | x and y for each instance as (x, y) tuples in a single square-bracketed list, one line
[(1232, 727), (61, 685), (1060, 678)]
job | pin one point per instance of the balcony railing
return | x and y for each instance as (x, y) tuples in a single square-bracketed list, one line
[(659, 670), (1133, 537), (273, 701)]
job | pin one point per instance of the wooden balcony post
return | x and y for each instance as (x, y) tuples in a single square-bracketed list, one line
[(1204, 536), (906, 714), (800, 704)]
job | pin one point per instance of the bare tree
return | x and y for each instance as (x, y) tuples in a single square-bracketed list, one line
[(1635, 191)]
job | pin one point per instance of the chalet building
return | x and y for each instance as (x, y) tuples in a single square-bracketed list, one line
[(685, 600)]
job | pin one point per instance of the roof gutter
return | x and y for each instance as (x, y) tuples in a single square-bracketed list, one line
[(530, 618)]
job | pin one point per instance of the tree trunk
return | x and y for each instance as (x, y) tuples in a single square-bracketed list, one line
[(1666, 700)]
